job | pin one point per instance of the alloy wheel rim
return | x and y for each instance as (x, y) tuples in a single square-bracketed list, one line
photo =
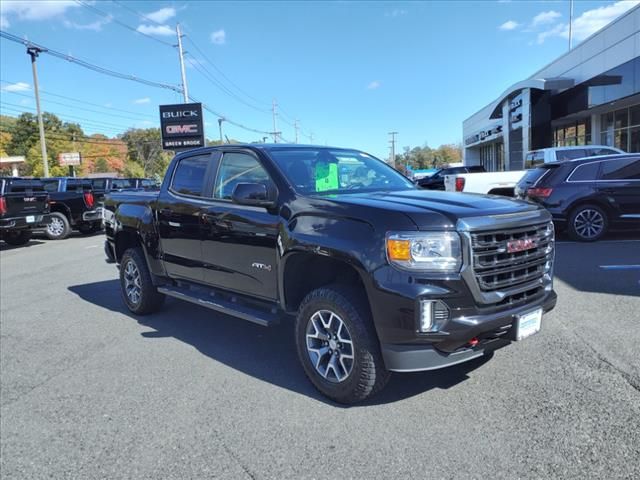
[(55, 227), (132, 286), (329, 346), (589, 223)]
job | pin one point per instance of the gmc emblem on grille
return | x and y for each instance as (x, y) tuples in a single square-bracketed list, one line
[(514, 246)]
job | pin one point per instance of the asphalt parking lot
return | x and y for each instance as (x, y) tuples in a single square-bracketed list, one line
[(89, 391)]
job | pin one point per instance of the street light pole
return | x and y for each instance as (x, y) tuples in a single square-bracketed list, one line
[(33, 53)]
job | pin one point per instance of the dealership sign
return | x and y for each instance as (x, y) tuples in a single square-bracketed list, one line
[(69, 159), (182, 126)]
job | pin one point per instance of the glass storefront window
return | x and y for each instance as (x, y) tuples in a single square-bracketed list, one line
[(634, 140), (619, 129)]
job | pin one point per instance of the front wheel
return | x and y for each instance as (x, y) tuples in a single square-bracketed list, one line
[(337, 345), (16, 238), (587, 223), (138, 291)]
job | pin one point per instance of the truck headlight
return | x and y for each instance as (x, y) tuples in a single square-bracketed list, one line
[(425, 251)]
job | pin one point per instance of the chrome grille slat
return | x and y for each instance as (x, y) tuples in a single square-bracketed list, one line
[(497, 270)]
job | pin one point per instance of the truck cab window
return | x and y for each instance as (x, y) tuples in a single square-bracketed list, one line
[(238, 168), (188, 178)]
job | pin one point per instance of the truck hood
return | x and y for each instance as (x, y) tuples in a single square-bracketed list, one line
[(437, 209)]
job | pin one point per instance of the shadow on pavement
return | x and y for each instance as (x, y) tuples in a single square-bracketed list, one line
[(6, 247), (610, 266), (268, 354)]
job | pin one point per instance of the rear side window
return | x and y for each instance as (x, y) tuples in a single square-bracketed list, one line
[(570, 154), (622, 169), (476, 169), (594, 152), (51, 186), (587, 172), (533, 160), (120, 183), (188, 178), (99, 184)]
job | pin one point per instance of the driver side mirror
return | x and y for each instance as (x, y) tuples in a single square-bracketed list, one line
[(252, 194)]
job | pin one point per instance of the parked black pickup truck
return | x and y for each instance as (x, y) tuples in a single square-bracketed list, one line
[(102, 186), (24, 206), (376, 274), (72, 207)]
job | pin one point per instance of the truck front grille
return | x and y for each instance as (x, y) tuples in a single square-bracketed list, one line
[(499, 266)]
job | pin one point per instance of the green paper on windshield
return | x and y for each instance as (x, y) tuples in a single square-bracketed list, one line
[(326, 177)]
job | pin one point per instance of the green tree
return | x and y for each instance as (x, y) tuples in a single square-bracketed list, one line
[(145, 149)]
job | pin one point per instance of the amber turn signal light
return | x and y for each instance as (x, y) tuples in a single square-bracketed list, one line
[(398, 249)]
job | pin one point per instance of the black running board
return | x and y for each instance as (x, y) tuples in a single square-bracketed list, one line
[(231, 307)]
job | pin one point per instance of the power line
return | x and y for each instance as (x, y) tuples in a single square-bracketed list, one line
[(208, 60), (135, 12), (47, 93), (90, 66), (122, 24), (79, 108)]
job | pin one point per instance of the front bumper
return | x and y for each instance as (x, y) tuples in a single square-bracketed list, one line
[(92, 215), (492, 331)]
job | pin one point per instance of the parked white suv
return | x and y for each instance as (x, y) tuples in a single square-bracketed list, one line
[(503, 183)]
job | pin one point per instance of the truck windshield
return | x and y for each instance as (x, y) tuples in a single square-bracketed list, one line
[(327, 171)]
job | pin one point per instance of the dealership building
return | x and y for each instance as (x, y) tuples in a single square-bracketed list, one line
[(590, 95)]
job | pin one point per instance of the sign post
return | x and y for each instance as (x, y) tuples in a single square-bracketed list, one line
[(70, 159), (182, 126)]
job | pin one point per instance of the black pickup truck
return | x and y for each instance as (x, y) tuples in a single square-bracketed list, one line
[(73, 206), (24, 207), (376, 274)]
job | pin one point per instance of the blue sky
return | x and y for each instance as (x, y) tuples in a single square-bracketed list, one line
[(349, 71)]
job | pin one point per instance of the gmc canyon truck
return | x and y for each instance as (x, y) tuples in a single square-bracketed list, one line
[(377, 275), (24, 207)]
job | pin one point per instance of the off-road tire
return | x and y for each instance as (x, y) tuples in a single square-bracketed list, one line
[(368, 374), (150, 300)]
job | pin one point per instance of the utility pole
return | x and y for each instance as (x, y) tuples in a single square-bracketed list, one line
[(220, 120), (274, 106), (295, 125), (33, 53), (185, 89), (393, 148), (570, 24)]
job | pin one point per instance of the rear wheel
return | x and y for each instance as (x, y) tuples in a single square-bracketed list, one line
[(337, 345), (58, 227), (19, 237), (587, 223), (138, 291)]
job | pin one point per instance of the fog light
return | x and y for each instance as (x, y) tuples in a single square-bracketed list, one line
[(433, 314)]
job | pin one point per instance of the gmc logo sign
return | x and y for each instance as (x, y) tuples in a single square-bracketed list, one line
[(193, 128), (514, 246)]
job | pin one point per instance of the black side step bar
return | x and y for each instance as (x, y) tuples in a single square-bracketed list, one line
[(231, 307)]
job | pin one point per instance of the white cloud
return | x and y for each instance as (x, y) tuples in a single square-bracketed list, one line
[(219, 37), (94, 26), (590, 21), (162, 15), (33, 9), (17, 87), (544, 18), (374, 85), (398, 12), (142, 101), (509, 25), (162, 30)]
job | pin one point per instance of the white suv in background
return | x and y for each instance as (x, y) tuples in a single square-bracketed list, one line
[(503, 183)]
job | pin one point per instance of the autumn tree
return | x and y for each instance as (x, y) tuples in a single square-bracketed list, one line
[(145, 149)]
